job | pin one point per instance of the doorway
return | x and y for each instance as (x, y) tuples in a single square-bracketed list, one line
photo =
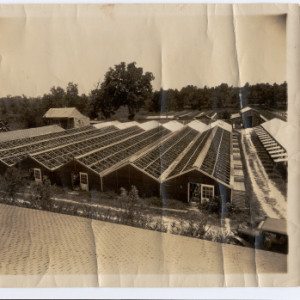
[(37, 173), (75, 179), (84, 181)]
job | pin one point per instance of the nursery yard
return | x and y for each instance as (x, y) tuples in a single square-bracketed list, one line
[(40, 248)]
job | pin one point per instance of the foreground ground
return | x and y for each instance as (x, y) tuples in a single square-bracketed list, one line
[(40, 248), (266, 199)]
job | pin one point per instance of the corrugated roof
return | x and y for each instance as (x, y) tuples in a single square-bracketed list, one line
[(28, 133), (63, 112)]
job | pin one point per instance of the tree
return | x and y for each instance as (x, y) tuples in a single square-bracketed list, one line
[(123, 85), (72, 97), (189, 97), (56, 98)]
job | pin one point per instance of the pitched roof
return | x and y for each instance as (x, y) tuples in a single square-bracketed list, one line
[(198, 125), (105, 124), (149, 125), (278, 130), (173, 125), (237, 115), (28, 133), (275, 225), (246, 109), (210, 154), (221, 124), (63, 112)]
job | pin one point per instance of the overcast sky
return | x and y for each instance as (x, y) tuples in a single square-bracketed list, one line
[(178, 44)]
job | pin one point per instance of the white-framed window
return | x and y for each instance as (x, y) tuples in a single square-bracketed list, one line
[(207, 192), (83, 178), (84, 181), (37, 174)]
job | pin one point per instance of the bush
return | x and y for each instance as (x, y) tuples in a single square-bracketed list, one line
[(128, 204), (159, 226), (216, 205), (166, 203), (41, 195), (212, 206), (12, 182)]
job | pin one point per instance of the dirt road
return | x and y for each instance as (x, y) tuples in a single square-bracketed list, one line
[(265, 193)]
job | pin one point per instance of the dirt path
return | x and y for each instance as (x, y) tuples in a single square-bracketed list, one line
[(270, 199)]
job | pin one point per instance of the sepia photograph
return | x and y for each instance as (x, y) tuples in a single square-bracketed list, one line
[(146, 145)]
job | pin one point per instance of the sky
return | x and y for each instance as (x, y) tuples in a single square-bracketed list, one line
[(45, 46)]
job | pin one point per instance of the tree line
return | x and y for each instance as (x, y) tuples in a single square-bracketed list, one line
[(128, 85)]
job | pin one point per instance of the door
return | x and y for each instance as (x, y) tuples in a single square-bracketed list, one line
[(249, 122), (75, 179), (194, 192), (84, 181), (37, 173)]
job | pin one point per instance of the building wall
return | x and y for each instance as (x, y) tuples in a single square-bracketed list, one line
[(177, 188), (63, 175), (81, 122), (29, 163), (3, 168), (63, 122), (236, 122), (126, 177), (251, 119), (68, 123)]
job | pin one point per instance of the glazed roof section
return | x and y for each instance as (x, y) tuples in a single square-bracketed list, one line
[(12, 156), (57, 157), (157, 161), (105, 158), (161, 151), (28, 133), (210, 153)]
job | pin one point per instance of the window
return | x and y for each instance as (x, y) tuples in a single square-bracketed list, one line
[(83, 178), (207, 192), (37, 174)]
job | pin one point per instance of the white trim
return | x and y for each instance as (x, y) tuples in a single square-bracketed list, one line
[(84, 186), (208, 186), (35, 178)]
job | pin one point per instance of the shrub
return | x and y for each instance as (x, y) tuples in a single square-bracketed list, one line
[(12, 182), (41, 195), (196, 227), (216, 205), (128, 204), (159, 226)]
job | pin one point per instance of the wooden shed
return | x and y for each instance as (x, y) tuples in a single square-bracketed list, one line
[(66, 117), (250, 117)]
